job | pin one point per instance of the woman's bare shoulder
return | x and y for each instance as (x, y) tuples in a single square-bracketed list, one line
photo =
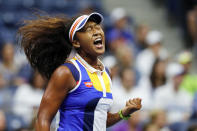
[(62, 76)]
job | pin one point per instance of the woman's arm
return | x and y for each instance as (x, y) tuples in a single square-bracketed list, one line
[(60, 84), (131, 106)]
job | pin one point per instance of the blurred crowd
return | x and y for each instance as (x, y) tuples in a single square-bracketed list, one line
[(139, 63)]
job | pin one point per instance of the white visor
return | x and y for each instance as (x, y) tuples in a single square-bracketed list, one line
[(81, 21)]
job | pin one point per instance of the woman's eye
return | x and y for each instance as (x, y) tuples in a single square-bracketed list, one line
[(88, 29), (98, 26)]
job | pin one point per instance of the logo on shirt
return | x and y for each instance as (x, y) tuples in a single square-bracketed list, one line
[(88, 84)]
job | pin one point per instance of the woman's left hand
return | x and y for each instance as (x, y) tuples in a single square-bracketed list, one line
[(132, 105)]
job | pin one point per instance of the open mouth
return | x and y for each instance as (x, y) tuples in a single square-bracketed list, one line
[(98, 43)]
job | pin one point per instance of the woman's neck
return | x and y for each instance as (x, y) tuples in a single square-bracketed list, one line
[(93, 61)]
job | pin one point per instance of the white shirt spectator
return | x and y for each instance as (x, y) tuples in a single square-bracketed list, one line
[(145, 60), (25, 100), (176, 103)]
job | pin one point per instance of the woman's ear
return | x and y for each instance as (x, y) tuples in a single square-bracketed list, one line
[(75, 44)]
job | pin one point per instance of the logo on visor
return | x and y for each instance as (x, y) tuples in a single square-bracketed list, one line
[(88, 84)]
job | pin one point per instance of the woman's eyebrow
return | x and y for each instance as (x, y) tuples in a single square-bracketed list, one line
[(87, 26), (92, 24)]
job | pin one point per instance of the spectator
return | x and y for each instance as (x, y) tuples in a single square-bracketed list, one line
[(122, 93), (121, 32), (125, 57), (158, 76), (147, 86), (185, 58), (171, 98), (27, 98), (189, 83), (158, 118), (7, 66), (141, 33), (146, 58), (24, 75)]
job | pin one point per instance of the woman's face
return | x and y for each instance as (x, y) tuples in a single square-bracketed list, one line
[(91, 39)]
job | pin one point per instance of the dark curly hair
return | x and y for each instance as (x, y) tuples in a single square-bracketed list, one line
[(45, 42)]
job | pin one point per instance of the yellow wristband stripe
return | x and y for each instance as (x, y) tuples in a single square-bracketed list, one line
[(123, 117)]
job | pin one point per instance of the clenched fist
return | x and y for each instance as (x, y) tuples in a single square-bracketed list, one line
[(132, 105)]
